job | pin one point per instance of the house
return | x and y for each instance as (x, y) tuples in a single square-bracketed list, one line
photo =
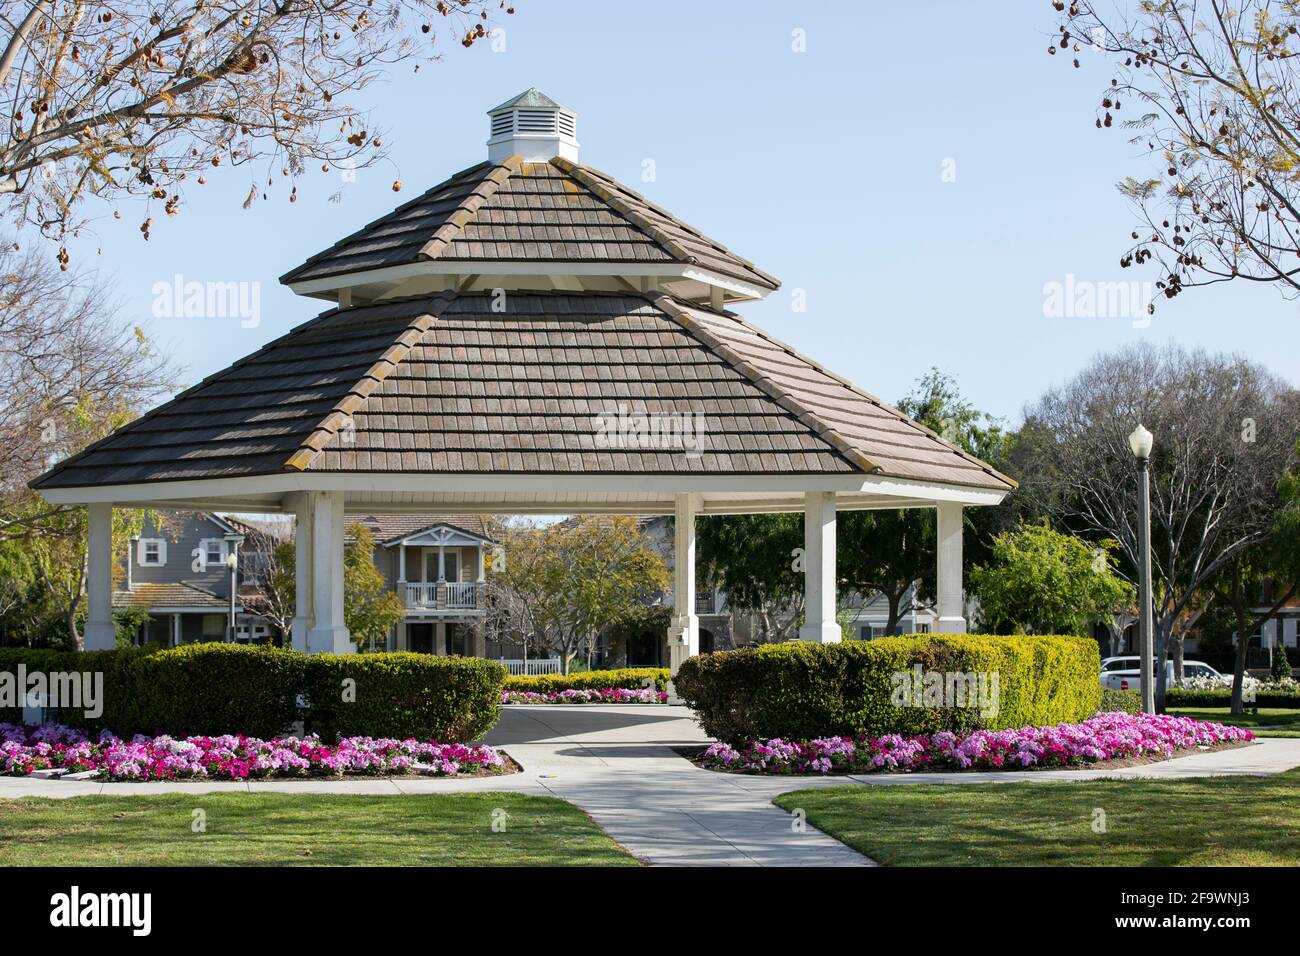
[(437, 563), (177, 570)]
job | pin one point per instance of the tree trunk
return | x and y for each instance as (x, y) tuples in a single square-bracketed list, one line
[(1178, 657), (1161, 649), (894, 598), (1243, 650), (78, 642)]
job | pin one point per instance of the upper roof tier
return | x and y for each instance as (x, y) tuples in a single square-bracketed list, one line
[(532, 220)]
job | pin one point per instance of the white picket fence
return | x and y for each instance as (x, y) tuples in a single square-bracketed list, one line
[(534, 665)]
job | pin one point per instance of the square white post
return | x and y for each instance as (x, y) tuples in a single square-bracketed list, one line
[(328, 634), (303, 557), (820, 625), (684, 631), (100, 634), (951, 603)]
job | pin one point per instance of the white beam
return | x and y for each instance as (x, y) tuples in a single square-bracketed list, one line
[(100, 634), (684, 631), (951, 604), (820, 625), (328, 634)]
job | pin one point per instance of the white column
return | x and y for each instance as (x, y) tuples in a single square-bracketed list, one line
[(684, 631), (100, 634), (482, 564), (328, 634), (303, 617), (401, 564), (820, 625), (951, 605), (442, 563), (176, 630)]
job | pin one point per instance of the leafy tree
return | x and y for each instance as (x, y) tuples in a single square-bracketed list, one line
[(581, 577), (751, 557), (1045, 582), (1211, 88), (147, 96), (887, 552), (1225, 431), (370, 607)]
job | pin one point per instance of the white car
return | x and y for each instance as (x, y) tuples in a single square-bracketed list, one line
[(1122, 673)]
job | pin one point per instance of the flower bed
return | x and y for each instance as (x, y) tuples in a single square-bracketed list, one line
[(1111, 736), (24, 750), (606, 695)]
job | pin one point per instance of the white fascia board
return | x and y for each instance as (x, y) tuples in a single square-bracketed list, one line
[(651, 486), (389, 274), (164, 609)]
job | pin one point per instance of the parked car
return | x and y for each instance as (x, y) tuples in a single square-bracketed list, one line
[(1123, 673)]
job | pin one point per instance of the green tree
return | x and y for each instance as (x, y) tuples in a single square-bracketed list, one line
[(370, 607), (581, 577), (751, 557), (1041, 581)]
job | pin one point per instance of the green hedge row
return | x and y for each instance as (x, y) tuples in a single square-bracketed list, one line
[(207, 689), (632, 678), (800, 690), (1222, 697)]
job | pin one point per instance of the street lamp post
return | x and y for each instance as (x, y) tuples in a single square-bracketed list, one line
[(233, 542), (1140, 443)]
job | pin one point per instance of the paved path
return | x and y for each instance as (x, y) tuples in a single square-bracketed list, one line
[(617, 763)]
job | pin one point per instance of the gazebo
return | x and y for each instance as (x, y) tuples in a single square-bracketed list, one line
[(529, 336)]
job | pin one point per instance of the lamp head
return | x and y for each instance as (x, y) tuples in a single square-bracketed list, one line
[(1140, 442)]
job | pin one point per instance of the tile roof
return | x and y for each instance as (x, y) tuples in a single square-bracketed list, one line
[(169, 595), (393, 527), (518, 211), (448, 385)]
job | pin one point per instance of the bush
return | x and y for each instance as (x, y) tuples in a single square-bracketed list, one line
[(1222, 697), (212, 688), (402, 695), (630, 678), (1123, 701), (801, 691), (1281, 667)]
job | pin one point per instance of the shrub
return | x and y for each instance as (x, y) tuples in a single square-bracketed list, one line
[(1281, 667), (1222, 697), (1123, 701), (630, 678), (802, 691), (402, 695), (212, 689)]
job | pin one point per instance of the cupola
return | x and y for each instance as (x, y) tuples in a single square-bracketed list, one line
[(534, 127)]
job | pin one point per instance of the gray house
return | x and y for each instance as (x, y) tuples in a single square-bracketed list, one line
[(178, 570)]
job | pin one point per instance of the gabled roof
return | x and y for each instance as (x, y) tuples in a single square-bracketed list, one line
[(449, 385), (389, 529), (526, 212)]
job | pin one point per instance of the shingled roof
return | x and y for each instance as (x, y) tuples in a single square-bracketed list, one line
[(515, 212), (448, 385), (390, 528)]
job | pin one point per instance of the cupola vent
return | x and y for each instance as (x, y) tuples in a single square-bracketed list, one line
[(534, 126)]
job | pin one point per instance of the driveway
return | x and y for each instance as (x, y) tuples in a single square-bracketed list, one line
[(618, 764)]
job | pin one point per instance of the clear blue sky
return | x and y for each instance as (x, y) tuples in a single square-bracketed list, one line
[(823, 167)]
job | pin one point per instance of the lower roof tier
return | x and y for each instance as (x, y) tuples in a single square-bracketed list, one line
[(525, 384)]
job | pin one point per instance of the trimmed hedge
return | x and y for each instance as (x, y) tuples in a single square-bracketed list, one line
[(801, 691), (630, 678), (213, 688), (1124, 701), (1222, 697)]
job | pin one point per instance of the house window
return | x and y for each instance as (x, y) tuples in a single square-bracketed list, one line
[(865, 632), (214, 627), (152, 552), (214, 553), (253, 565), (923, 628)]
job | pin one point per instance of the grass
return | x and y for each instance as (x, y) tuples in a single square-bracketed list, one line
[(272, 829), (1206, 821), (1270, 722)]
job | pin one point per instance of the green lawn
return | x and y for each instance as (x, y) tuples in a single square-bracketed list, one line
[(1206, 821), (272, 829), (1270, 722)]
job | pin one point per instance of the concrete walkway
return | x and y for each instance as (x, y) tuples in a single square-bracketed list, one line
[(617, 763)]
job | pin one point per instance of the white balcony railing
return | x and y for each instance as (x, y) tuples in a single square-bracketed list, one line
[(462, 594), (534, 665), (457, 595)]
